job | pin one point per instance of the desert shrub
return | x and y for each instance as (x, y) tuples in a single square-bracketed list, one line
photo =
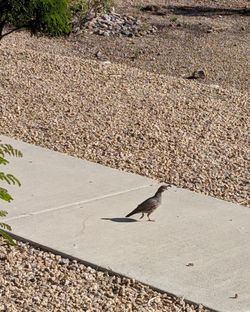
[(39, 16), (86, 8)]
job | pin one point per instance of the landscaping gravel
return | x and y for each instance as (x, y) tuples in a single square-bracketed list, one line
[(175, 130), (33, 280)]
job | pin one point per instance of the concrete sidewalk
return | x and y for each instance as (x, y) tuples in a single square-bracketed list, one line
[(78, 208)]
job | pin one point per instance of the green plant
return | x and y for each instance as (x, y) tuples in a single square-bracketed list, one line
[(145, 27), (6, 149), (85, 7), (100, 6), (45, 16), (173, 18), (79, 6), (139, 7), (137, 53)]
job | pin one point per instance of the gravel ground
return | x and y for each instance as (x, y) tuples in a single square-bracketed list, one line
[(32, 280), (178, 48), (188, 133), (212, 35), (175, 130)]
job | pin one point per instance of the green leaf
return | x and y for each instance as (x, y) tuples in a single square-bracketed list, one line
[(3, 161), (8, 149), (9, 178), (7, 237), (13, 179), (5, 226), (3, 177), (4, 195), (3, 213)]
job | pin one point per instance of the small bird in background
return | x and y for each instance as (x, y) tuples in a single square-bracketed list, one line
[(149, 205)]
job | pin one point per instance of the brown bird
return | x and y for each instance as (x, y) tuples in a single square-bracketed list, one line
[(150, 204)]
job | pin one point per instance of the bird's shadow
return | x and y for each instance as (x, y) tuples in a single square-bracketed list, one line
[(120, 220)]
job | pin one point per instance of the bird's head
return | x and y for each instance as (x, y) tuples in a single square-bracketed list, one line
[(163, 188)]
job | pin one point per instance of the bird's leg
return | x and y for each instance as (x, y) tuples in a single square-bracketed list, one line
[(149, 218), (142, 216)]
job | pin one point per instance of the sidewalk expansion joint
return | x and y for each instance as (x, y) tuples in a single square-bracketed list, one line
[(78, 203)]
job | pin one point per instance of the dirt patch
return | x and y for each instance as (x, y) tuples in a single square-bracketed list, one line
[(190, 35)]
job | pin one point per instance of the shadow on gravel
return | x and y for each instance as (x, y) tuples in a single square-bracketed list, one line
[(206, 11), (193, 10), (121, 220)]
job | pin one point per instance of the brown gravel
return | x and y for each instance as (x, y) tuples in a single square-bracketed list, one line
[(32, 280), (175, 130), (178, 48)]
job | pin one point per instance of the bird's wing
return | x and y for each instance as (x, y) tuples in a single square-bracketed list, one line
[(146, 206), (149, 205)]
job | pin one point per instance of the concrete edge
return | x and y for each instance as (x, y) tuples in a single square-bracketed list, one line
[(97, 267)]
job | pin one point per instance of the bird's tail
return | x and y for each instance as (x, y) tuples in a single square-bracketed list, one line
[(130, 214)]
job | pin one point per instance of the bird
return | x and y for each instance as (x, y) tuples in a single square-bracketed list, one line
[(150, 204)]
